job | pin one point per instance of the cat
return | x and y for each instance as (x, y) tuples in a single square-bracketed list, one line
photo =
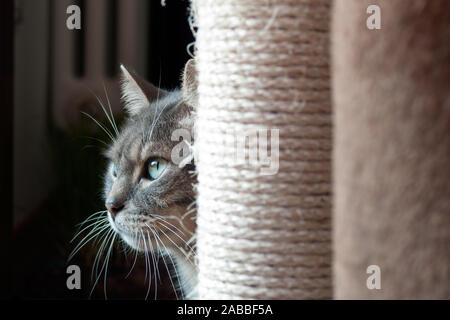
[(150, 199)]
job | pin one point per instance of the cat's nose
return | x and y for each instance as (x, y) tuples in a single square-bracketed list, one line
[(113, 206)]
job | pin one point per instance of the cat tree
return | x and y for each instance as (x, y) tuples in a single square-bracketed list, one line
[(264, 65)]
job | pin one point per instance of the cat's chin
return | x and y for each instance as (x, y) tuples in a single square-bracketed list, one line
[(133, 243), (186, 266), (142, 242)]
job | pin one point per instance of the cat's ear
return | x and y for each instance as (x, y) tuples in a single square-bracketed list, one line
[(137, 93), (190, 84)]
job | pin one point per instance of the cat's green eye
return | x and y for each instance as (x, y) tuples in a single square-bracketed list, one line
[(156, 167), (114, 170)]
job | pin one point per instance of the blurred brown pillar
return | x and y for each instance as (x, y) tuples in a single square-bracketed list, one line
[(6, 147), (391, 92)]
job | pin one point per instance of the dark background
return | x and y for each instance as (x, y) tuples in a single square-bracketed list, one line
[(52, 157)]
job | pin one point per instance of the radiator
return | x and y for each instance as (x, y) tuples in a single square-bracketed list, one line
[(86, 62)]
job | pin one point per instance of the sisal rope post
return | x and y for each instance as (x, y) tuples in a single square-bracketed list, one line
[(263, 65)]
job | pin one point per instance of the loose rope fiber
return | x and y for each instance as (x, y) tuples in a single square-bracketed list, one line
[(264, 65)]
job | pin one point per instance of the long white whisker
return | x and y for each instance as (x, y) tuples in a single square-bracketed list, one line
[(145, 255), (157, 248), (153, 124), (100, 125), (176, 234), (98, 229), (158, 239), (157, 100), (188, 212), (91, 217), (177, 246), (107, 262), (103, 108), (95, 139), (155, 266), (113, 121), (147, 264), (163, 219), (110, 234), (132, 267), (98, 221), (104, 239), (174, 265)]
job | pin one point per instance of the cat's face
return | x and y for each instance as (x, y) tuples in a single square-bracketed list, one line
[(150, 198)]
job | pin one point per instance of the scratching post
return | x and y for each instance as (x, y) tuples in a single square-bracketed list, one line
[(392, 149), (263, 65)]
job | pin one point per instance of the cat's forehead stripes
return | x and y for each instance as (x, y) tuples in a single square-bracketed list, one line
[(130, 160), (132, 151), (128, 143)]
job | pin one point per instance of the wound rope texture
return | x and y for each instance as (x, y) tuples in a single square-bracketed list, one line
[(264, 65)]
